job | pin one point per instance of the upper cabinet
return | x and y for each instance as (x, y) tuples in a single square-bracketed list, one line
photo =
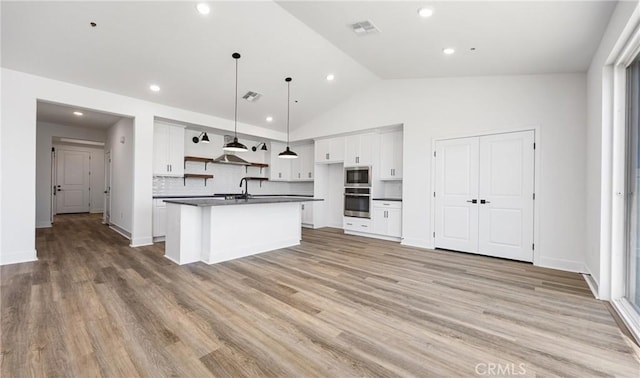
[(279, 169), (330, 150), (359, 149), (168, 150), (302, 167), (391, 156)]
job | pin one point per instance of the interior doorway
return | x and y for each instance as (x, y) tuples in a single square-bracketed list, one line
[(73, 181), (484, 195), (108, 171)]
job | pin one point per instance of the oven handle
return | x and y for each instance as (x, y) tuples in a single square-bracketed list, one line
[(357, 195)]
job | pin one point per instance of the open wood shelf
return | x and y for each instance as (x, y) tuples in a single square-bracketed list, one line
[(198, 159), (196, 175), (257, 165)]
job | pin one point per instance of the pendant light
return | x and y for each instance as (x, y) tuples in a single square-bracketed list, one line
[(288, 154), (235, 145)]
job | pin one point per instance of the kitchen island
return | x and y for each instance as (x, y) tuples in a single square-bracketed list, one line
[(213, 230)]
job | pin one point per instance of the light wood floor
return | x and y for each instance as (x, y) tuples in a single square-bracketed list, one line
[(334, 306)]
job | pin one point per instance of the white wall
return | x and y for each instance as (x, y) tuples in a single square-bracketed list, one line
[(448, 107), (120, 141), (44, 134), (18, 152), (598, 141)]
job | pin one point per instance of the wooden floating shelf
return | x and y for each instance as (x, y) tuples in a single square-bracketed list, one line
[(198, 159), (258, 165), (196, 175)]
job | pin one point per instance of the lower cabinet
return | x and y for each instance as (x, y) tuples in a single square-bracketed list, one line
[(307, 214), (387, 218), (385, 222), (159, 218), (356, 224)]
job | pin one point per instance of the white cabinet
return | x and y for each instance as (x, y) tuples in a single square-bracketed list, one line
[(329, 150), (391, 156), (159, 218), (307, 214), (168, 150), (356, 224), (302, 167), (279, 169), (359, 149), (387, 218)]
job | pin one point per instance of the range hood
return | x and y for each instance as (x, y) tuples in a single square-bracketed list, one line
[(227, 158), (230, 159)]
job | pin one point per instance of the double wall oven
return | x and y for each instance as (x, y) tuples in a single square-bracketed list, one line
[(357, 192)]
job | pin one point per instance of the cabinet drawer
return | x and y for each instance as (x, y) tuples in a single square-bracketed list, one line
[(356, 224), (387, 204)]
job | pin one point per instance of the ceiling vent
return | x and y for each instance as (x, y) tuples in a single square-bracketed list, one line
[(252, 96), (364, 27)]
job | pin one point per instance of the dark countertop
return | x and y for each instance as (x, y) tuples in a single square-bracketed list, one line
[(162, 196), (219, 201), (388, 199)]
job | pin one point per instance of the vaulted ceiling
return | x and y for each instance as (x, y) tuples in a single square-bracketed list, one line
[(187, 54)]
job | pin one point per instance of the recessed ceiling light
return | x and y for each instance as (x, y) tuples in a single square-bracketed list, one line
[(330, 77), (203, 8), (449, 50), (77, 113), (154, 88), (269, 119), (425, 12)]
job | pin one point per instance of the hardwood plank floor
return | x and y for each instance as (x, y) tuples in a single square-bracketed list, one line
[(335, 306)]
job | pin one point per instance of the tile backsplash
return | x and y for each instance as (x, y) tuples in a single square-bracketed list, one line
[(226, 180)]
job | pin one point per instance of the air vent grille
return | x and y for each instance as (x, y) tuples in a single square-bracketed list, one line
[(364, 27), (252, 96)]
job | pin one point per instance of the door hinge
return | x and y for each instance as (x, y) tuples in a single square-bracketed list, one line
[(533, 246), (534, 145), (434, 234), (53, 149), (434, 194), (534, 196), (434, 154)]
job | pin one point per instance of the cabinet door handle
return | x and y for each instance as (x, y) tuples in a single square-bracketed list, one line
[(484, 201), (349, 224), (303, 206), (298, 174), (309, 174), (326, 156), (473, 201), (279, 174), (364, 225)]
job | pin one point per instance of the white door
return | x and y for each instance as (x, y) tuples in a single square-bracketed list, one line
[(456, 190), (506, 195), (107, 188), (72, 184), (484, 195)]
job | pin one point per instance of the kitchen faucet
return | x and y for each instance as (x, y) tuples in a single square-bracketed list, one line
[(245, 195)]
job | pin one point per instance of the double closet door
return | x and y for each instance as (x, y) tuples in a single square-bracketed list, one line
[(485, 194)]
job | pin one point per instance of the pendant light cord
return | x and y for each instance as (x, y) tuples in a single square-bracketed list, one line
[(235, 114), (288, 105)]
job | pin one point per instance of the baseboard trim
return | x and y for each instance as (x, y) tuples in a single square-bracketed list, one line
[(18, 257), (593, 285), (120, 230), (559, 264), (630, 319), (374, 236), (417, 243), (43, 224), (141, 242)]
